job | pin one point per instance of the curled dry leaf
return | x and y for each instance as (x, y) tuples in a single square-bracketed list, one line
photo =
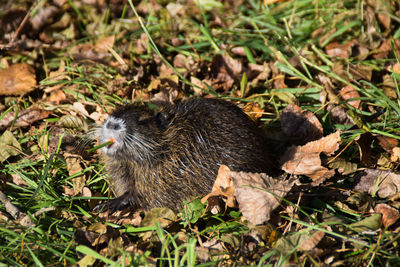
[(340, 50), (258, 194), (339, 115), (390, 215), (395, 154), (18, 79), (396, 68), (9, 146), (256, 73), (300, 124), (312, 241), (223, 186), (349, 92), (387, 143), (305, 160), (378, 182), (74, 167), (225, 71), (364, 142), (253, 110)]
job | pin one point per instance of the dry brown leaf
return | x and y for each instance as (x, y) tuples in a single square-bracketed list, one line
[(253, 110), (386, 48), (349, 92), (340, 50), (74, 167), (25, 117), (395, 154), (305, 160), (198, 82), (361, 72), (312, 241), (238, 50), (223, 186), (255, 194), (181, 61), (339, 115), (279, 81), (382, 183), (387, 143), (224, 72), (18, 79), (103, 45), (396, 68), (17, 179), (390, 215), (303, 125), (389, 86), (364, 142), (256, 73)]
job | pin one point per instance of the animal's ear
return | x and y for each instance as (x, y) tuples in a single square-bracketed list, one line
[(163, 120)]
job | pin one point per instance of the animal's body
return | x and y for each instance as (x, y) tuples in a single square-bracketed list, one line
[(163, 158)]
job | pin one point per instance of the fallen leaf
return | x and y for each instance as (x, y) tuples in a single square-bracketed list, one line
[(18, 79), (382, 183), (395, 154), (305, 160), (396, 68), (24, 118), (9, 146), (279, 81), (253, 110), (387, 143), (103, 45), (343, 166), (312, 241), (339, 115), (74, 167), (57, 97), (224, 72), (258, 194), (187, 63), (223, 186), (256, 73), (386, 48), (389, 86), (370, 223), (390, 215), (361, 72), (364, 142), (349, 92), (340, 50), (303, 125), (11, 20)]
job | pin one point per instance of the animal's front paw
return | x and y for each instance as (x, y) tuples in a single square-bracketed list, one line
[(114, 205)]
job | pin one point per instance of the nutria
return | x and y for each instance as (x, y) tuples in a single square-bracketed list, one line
[(160, 159)]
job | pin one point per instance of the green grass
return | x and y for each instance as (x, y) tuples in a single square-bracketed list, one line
[(275, 34)]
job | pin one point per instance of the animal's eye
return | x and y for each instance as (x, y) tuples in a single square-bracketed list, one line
[(163, 120)]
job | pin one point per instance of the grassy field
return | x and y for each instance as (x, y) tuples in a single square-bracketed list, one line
[(69, 63)]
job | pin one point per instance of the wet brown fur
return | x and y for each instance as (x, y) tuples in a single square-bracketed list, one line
[(190, 140)]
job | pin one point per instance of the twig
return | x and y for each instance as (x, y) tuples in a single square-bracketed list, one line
[(23, 219)]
